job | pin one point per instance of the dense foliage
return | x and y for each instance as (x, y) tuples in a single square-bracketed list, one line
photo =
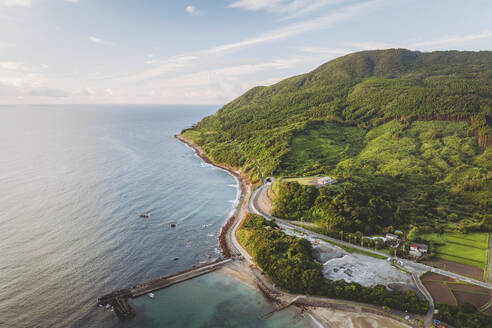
[(432, 175), (290, 263), (463, 316), (397, 129)]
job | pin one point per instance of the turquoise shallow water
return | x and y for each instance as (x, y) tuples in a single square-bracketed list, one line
[(73, 180), (212, 300)]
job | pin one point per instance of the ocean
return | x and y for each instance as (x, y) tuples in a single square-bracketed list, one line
[(74, 180)]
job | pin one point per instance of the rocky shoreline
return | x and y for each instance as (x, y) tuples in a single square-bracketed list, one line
[(244, 185)]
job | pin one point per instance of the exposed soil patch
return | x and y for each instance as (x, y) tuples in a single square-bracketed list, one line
[(469, 289), (437, 277), (332, 317), (463, 269), (476, 299), (444, 290), (440, 292)]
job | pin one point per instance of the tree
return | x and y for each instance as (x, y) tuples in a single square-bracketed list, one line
[(412, 234), (378, 243)]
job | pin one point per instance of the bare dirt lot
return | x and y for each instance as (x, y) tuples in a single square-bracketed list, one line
[(440, 292), (469, 288), (436, 277), (463, 269), (476, 299), (335, 318)]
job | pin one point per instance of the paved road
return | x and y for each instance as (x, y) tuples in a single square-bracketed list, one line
[(428, 317), (239, 218), (326, 301), (408, 265)]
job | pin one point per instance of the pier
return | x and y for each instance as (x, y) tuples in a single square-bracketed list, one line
[(119, 299), (280, 308)]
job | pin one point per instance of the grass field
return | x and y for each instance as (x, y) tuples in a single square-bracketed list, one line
[(325, 146), (470, 249), (303, 180)]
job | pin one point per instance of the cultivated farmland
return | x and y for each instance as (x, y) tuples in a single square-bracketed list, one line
[(466, 249)]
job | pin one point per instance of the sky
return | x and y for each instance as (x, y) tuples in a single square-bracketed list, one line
[(207, 51)]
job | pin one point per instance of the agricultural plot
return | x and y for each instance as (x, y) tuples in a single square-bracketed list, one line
[(440, 292), (447, 291), (469, 250)]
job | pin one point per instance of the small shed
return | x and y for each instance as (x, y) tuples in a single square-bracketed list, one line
[(324, 181), (418, 250), (390, 236)]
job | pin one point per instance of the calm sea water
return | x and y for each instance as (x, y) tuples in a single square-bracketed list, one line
[(73, 181)]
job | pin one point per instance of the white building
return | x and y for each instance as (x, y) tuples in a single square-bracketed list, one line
[(418, 250), (324, 181)]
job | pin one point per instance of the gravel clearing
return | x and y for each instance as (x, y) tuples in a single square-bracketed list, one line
[(352, 267), (365, 270)]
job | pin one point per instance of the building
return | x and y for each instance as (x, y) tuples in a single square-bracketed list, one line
[(418, 250), (391, 237), (324, 181)]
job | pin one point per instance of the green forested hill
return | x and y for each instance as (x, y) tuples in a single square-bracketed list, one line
[(407, 135)]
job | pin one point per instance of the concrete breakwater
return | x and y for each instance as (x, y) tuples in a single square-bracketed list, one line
[(119, 299)]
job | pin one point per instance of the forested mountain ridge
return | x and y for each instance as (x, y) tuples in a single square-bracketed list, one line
[(360, 118), (365, 89)]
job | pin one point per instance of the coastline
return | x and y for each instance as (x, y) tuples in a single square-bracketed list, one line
[(245, 187), (249, 273)]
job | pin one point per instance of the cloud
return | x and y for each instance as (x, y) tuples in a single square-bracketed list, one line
[(12, 66), (192, 10), (163, 66), (7, 89), (20, 80), (257, 4), (16, 3), (96, 40), (48, 92), (325, 51), (222, 84), (87, 92), (310, 7), (282, 63), (177, 62), (292, 8), (444, 42), (368, 45), (109, 92), (291, 30), (452, 40)]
